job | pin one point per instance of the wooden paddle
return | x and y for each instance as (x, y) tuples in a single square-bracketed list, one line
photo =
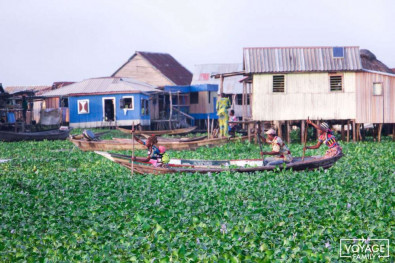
[(259, 141), (305, 138)]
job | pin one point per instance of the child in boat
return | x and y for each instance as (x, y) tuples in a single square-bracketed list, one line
[(153, 150), (327, 137), (232, 126), (281, 153), (164, 157)]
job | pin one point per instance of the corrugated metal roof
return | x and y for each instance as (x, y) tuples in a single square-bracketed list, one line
[(299, 59), (102, 85), (38, 90), (167, 65), (202, 75)]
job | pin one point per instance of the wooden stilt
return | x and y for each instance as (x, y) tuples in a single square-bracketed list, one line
[(302, 131), (379, 131), (354, 134), (288, 132), (171, 109), (280, 130), (249, 131), (393, 132), (357, 132), (208, 127), (348, 130), (342, 131)]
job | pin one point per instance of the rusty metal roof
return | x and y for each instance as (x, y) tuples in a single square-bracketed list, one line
[(106, 85), (300, 59), (167, 65), (37, 90)]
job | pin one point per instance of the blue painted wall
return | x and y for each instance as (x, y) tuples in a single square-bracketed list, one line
[(96, 108)]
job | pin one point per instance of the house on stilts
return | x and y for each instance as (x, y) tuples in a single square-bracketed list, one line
[(341, 85)]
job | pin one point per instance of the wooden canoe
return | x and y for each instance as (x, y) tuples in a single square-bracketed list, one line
[(209, 166), (50, 135), (126, 144), (162, 132)]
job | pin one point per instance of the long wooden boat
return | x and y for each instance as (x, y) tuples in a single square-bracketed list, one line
[(161, 132), (209, 166), (9, 136), (126, 144)]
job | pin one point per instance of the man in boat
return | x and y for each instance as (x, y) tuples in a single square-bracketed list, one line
[(280, 151), (153, 150), (223, 104), (327, 137)]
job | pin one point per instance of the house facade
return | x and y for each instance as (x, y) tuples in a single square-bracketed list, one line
[(102, 102), (232, 85), (322, 83)]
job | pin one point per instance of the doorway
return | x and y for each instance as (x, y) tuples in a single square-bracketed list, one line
[(109, 109)]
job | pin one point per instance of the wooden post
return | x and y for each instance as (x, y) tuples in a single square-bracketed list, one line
[(302, 131), (244, 102), (357, 132), (379, 132), (280, 130), (348, 130), (393, 132), (221, 85), (208, 126), (354, 134), (171, 109), (249, 131), (212, 127), (288, 132), (342, 124)]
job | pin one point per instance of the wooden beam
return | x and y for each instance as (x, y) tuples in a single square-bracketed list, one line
[(221, 84), (393, 132), (348, 130), (288, 131), (379, 132), (354, 134)]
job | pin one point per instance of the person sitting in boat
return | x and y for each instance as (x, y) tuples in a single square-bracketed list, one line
[(232, 126), (327, 137), (280, 151), (153, 150)]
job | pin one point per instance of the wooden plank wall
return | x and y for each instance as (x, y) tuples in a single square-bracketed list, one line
[(140, 69), (306, 94), (371, 108), (203, 106)]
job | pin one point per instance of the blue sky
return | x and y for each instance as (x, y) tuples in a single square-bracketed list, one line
[(44, 41)]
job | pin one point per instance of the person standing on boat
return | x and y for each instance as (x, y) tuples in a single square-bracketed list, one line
[(153, 151), (327, 137), (24, 107), (223, 104), (280, 151)]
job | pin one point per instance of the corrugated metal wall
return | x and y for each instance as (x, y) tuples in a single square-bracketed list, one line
[(306, 95), (371, 108)]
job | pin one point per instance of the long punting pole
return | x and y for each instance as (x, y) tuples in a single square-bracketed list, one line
[(132, 167)]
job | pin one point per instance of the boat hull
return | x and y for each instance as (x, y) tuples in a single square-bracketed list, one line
[(126, 144), (161, 132), (208, 166), (7, 136)]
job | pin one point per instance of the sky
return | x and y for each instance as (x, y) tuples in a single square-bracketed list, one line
[(44, 41)]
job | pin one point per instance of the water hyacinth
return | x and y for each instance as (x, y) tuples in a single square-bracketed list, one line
[(99, 213)]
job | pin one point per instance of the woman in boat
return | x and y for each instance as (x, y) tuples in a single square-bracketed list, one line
[(281, 153), (153, 150), (327, 137)]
